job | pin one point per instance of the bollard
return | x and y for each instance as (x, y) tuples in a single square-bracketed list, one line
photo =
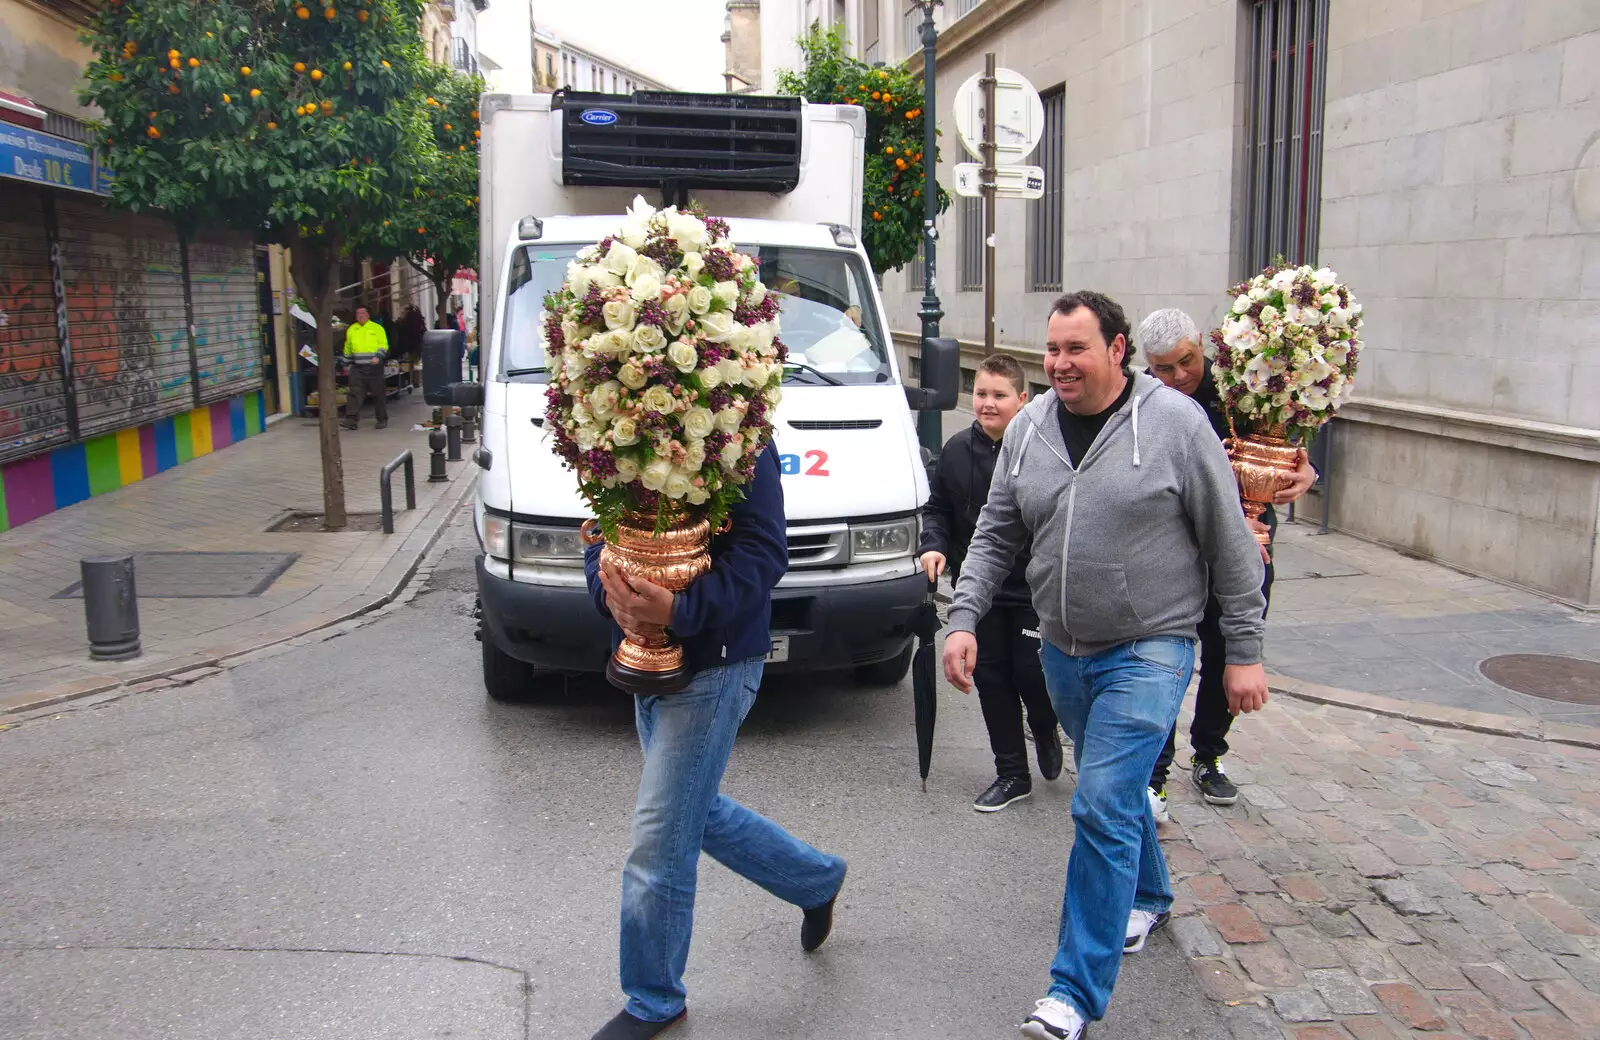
[(436, 473), (469, 426), (452, 425), (110, 607)]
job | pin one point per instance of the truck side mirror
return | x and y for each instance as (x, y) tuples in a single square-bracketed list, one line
[(442, 354), (941, 376)]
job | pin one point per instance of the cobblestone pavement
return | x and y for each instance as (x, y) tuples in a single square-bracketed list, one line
[(1381, 879), (1358, 616), (219, 503)]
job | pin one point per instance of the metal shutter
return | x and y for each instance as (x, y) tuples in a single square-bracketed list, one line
[(227, 314), (33, 405), (124, 289)]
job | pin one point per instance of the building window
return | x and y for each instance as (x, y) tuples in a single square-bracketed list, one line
[(1283, 131), (971, 244), (961, 7), (871, 30), (550, 69), (613, 83), (1047, 216), (914, 272), (911, 29)]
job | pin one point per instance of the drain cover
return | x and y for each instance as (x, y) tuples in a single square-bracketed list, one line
[(1547, 676), (200, 575)]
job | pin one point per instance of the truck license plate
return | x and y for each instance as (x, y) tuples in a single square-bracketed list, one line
[(780, 649)]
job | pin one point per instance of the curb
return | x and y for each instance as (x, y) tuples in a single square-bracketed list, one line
[(172, 671), (1438, 714)]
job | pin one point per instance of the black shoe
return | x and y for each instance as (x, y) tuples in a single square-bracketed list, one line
[(1214, 785), (626, 1027), (348, 425), (818, 922), (1003, 792), (381, 425), (1050, 755)]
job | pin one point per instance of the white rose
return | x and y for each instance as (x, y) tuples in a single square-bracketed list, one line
[(580, 414), (646, 288), (726, 292), (774, 397), (698, 422), (627, 469), (688, 229), (642, 266), (604, 278), (1283, 281), (697, 496), (1329, 300), (625, 431), (659, 399), (579, 277), (683, 356), (1269, 314), (728, 420), (758, 294), (693, 262), (740, 338), (756, 375), (1323, 277), (574, 365), (762, 333), (677, 484), (619, 314), (632, 376), (587, 437), (621, 342), (710, 377), (677, 308), (571, 333), (732, 372), (654, 476), (1241, 305), (718, 326), (699, 299), (732, 452), (648, 339), (603, 399), (694, 453), (619, 258), (1258, 293)]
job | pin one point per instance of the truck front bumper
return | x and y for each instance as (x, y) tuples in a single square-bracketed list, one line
[(556, 627)]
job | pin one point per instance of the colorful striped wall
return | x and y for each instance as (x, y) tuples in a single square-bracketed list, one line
[(44, 483)]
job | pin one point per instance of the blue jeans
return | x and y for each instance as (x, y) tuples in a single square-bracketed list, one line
[(1117, 706), (687, 738)]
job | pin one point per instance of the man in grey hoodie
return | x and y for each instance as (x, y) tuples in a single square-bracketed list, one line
[(1129, 502)]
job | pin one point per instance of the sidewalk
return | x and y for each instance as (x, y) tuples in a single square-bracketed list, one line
[(1357, 616), (220, 503), (1379, 877)]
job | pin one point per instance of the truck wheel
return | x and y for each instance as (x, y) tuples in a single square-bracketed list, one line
[(886, 673), (505, 677)]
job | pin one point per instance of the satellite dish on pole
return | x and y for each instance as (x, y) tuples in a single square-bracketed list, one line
[(1019, 117)]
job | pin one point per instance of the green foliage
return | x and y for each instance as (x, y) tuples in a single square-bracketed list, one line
[(436, 226), (892, 206)]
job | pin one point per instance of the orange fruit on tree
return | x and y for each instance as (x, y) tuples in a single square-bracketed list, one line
[(316, 75), (299, 66), (153, 132), (302, 13), (474, 113), (254, 92), (115, 77), (172, 88), (348, 66), (327, 108), (194, 63), (385, 64), (226, 100), (477, 134), (244, 70), (447, 127), (174, 53), (461, 147), (271, 125), (362, 16), (330, 14), (172, 62), (876, 215)]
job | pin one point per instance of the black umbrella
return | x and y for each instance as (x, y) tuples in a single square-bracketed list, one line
[(924, 680)]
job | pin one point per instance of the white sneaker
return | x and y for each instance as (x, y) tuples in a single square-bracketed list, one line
[(1055, 1019), (1158, 804), (1140, 924)]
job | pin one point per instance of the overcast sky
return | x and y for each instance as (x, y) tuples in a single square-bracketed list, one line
[(677, 42)]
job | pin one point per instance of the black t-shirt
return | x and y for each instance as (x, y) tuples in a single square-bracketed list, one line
[(1079, 431)]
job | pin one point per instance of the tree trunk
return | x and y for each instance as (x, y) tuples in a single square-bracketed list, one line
[(442, 297), (316, 274)]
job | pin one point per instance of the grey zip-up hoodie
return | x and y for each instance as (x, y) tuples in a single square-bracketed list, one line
[(1122, 544)]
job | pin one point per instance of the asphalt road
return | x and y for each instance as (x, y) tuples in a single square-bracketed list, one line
[(347, 839)]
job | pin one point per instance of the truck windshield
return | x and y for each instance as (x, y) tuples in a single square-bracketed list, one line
[(828, 320)]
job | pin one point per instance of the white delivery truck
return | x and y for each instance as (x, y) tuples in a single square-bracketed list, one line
[(557, 172)]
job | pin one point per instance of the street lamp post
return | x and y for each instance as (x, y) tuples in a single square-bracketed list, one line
[(930, 427)]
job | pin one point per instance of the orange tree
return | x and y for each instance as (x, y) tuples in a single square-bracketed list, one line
[(294, 118), (892, 209), (436, 227)]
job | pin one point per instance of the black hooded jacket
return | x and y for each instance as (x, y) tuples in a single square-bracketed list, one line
[(959, 489)]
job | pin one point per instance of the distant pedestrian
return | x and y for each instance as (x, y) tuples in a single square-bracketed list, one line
[(1171, 343), (1008, 673), (366, 348), (413, 326), (1128, 499)]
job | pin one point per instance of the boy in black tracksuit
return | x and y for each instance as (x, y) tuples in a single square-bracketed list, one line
[(1008, 675)]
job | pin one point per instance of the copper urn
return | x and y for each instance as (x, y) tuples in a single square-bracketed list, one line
[(1264, 464), (652, 662)]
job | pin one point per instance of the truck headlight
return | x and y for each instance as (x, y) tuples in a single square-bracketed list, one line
[(884, 541), (528, 543)]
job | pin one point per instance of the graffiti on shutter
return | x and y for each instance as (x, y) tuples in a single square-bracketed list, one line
[(124, 289), (33, 411), (227, 314)]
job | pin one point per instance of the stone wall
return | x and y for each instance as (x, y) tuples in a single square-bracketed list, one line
[(40, 57)]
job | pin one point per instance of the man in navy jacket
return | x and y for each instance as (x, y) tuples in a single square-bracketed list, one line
[(723, 622)]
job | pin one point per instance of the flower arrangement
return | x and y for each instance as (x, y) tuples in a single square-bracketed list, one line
[(1287, 351), (665, 367)]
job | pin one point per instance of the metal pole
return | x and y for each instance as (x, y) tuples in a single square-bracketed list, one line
[(452, 428), (436, 442), (110, 607), (989, 174), (930, 425), (469, 425)]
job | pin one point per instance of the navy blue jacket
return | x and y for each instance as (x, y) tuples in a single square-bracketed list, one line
[(726, 615)]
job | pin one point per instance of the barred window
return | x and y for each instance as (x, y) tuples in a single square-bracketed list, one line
[(961, 7), (911, 28), (1283, 130), (1047, 215), (971, 244), (914, 272), (870, 31)]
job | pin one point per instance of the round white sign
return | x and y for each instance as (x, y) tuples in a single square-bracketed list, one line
[(1019, 117)]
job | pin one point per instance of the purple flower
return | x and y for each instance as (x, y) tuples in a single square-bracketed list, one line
[(663, 251), (719, 264), (721, 398), (600, 463), (717, 228), (652, 313), (1275, 384)]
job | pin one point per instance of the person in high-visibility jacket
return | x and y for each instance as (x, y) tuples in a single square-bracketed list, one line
[(366, 347)]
